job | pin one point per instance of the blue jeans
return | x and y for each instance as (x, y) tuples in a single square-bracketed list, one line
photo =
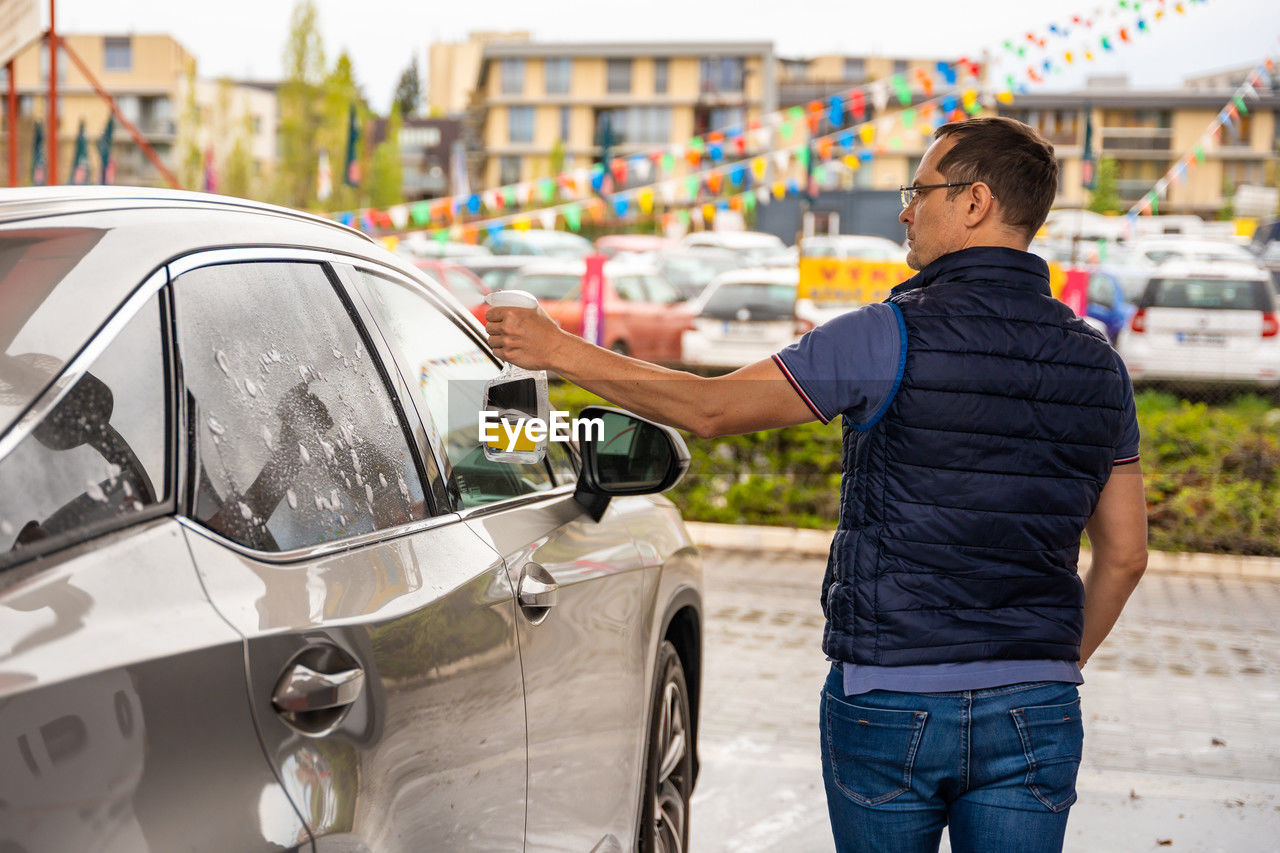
[(998, 766)]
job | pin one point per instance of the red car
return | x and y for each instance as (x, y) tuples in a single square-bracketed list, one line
[(641, 317), (459, 281)]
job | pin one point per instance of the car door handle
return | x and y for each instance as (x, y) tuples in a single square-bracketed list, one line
[(303, 689), (537, 587)]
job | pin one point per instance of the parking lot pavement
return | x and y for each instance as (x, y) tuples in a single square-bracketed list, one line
[(1181, 705)]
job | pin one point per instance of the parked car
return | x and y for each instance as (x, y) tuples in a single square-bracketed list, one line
[(1107, 302), (641, 317), (464, 284), (1205, 322), (865, 247), (1163, 249), (612, 245), (753, 246), (495, 271), (421, 246), (742, 317), (690, 270), (542, 244), (261, 588)]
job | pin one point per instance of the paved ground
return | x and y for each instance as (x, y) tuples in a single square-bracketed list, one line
[(1182, 716)]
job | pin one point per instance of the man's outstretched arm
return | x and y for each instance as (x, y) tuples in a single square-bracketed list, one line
[(754, 398), (1118, 538)]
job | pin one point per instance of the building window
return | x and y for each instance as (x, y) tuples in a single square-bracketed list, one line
[(1238, 132), (117, 53), (508, 170), (565, 115), (635, 125), (899, 66), (520, 124), (44, 64), (723, 74), (855, 69), (661, 71), (795, 70), (557, 74), (618, 76), (513, 76)]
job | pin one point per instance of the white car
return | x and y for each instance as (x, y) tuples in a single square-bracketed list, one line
[(1205, 322), (756, 247), (742, 317), (864, 247), (1168, 249)]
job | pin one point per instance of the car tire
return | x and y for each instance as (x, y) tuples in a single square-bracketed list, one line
[(668, 782)]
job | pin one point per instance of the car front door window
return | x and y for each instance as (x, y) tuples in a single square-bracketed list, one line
[(449, 371), (298, 442)]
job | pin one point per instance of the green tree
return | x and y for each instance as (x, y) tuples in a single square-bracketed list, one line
[(190, 158), (557, 158), (1105, 198), (304, 65), (385, 173), (408, 94), (338, 92), (1228, 210)]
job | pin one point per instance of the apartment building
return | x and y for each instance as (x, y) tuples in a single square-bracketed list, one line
[(143, 73), (1148, 132), (534, 98), (229, 113)]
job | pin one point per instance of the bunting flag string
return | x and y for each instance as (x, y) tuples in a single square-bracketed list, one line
[(850, 146), (1087, 36), (584, 185), (1236, 106)]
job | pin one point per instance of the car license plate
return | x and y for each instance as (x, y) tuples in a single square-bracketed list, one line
[(1203, 339), (742, 330)]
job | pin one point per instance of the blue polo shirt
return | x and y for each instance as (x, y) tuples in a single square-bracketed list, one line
[(850, 366)]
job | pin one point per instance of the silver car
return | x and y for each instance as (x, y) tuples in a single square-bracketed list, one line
[(262, 589)]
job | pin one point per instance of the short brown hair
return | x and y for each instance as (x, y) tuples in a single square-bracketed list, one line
[(1015, 161)]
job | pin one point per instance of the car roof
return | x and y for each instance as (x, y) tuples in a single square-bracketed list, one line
[(558, 266), (72, 256), (761, 275), (733, 239), (1218, 269)]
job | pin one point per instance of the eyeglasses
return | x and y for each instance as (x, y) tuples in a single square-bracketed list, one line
[(909, 193)]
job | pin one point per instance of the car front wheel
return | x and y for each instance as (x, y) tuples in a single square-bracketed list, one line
[(664, 826)]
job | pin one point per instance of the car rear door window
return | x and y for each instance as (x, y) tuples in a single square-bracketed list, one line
[(450, 371), (297, 439), (99, 456)]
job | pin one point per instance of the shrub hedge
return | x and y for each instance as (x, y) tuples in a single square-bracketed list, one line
[(1212, 473)]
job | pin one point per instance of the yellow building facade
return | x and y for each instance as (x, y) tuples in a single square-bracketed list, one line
[(534, 98), (143, 73)]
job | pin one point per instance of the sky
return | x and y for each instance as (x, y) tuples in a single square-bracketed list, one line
[(245, 38)]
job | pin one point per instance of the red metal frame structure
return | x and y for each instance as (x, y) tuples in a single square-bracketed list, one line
[(53, 96), (54, 42), (115, 111), (11, 124)]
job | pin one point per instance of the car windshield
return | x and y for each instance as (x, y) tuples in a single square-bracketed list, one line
[(499, 277), (1208, 293), (547, 286), (685, 270), (764, 301)]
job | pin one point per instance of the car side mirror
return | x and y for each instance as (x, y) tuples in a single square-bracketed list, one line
[(626, 455)]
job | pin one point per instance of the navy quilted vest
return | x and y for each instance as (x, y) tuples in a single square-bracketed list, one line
[(962, 506)]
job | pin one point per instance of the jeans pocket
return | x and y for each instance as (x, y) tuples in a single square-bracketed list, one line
[(1052, 741), (871, 751)]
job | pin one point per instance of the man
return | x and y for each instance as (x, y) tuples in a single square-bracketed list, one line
[(984, 427)]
